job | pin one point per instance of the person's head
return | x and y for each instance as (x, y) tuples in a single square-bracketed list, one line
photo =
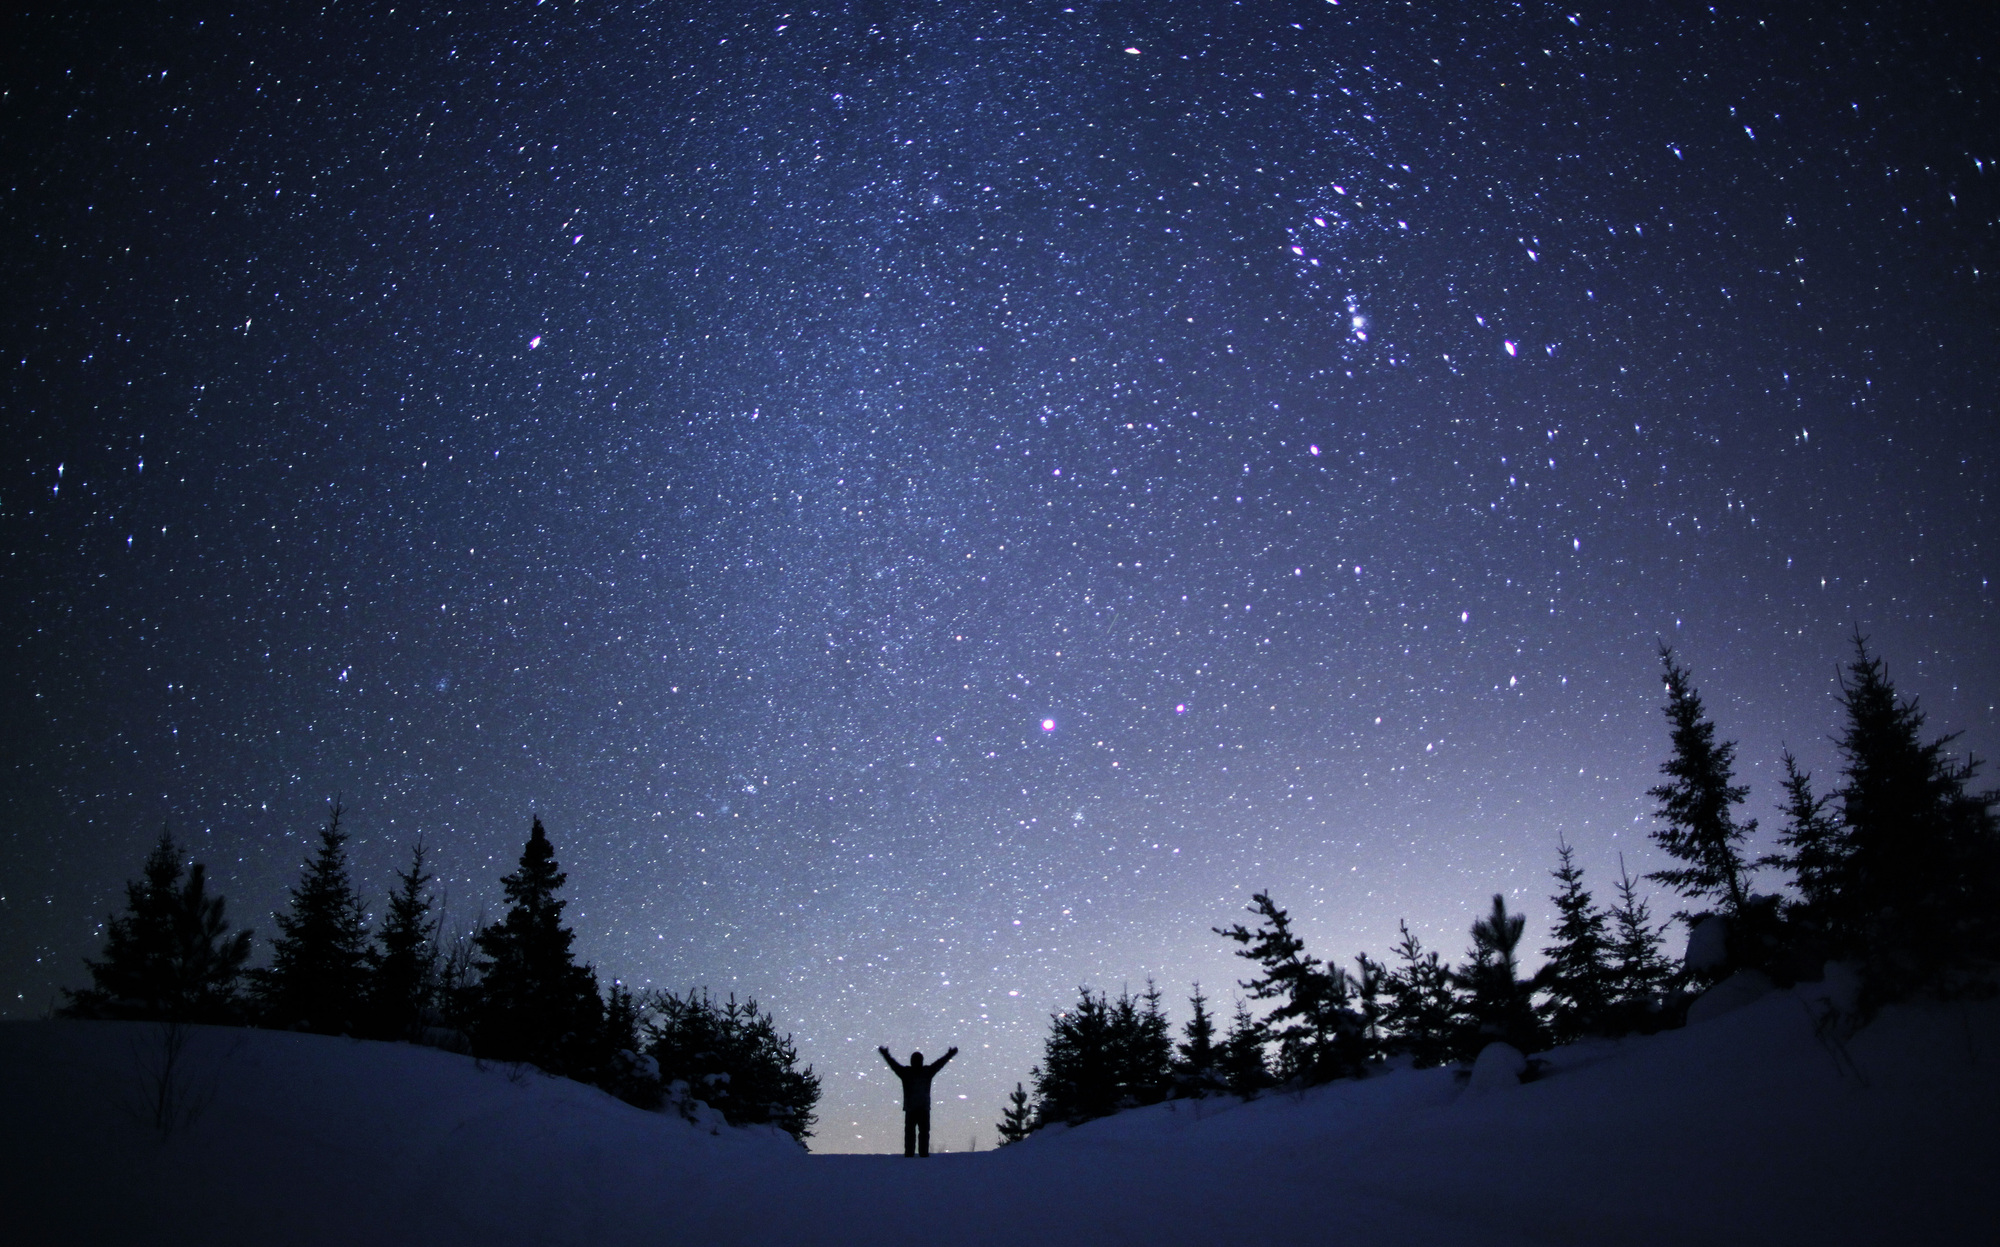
[(916, 1058)]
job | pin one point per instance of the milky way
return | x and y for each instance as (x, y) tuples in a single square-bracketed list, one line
[(933, 504)]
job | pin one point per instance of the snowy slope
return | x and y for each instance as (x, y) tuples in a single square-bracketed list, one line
[(1745, 1129)]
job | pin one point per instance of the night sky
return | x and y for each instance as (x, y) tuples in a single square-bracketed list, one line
[(932, 503)]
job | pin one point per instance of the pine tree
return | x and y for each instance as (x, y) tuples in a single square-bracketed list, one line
[(402, 967), (1371, 987), (1197, 1058), (1245, 1072), (1640, 974), (1422, 1017), (1017, 1120), (1104, 1055), (778, 1091), (1695, 802), (1127, 1070), (1077, 1079), (1813, 849), (621, 1019), (1316, 1032), (171, 957), (1578, 974), (136, 978), (315, 979), (731, 1057), (1150, 1076), (1913, 879), (625, 1071), (532, 1002), (1501, 1008)]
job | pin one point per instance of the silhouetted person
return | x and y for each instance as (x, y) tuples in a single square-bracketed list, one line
[(916, 1078)]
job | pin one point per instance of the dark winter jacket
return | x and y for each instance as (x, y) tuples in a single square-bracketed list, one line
[(916, 1078)]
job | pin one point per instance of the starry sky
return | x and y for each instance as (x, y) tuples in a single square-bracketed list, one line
[(934, 503)]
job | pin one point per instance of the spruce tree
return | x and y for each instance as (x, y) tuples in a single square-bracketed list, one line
[(621, 1019), (1423, 1010), (135, 979), (1501, 1008), (315, 979), (623, 1069), (1813, 850), (1695, 802), (1245, 1071), (1127, 1070), (1104, 1055), (1640, 973), (1316, 1032), (1913, 879), (1017, 1120), (1197, 1057), (1371, 989), (1078, 1078), (171, 956), (1578, 974), (531, 1001), (1149, 1078), (402, 969), (774, 1089), (1140, 1045), (731, 1057)]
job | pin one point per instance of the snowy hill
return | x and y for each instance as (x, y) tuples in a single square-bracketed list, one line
[(1743, 1129)]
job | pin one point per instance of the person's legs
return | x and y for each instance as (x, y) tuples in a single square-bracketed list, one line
[(909, 1134), (924, 1135)]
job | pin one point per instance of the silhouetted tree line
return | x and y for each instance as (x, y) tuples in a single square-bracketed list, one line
[(513, 991), (1896, 871)]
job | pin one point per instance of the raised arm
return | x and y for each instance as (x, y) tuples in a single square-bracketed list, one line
[(939, 1063), (892, 1060)]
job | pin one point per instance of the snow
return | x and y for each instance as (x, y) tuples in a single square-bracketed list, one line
[(1768, 1124), (1731, 994), (1498, 1067), (1708, 944)]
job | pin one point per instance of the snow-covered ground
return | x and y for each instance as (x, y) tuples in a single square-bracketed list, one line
[(1743, 1129)]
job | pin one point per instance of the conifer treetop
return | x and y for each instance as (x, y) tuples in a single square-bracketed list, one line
[(532, 1001), (534, 885), (403, 967), (1640, 970), (171, 955), (315, 976), (1812, 846), (1913, 869), (1695, 801), (1577, 975), (1495, 936), (1317, 1032), (533, 922)]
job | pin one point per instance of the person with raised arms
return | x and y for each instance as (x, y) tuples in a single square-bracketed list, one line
[(916, 1078)]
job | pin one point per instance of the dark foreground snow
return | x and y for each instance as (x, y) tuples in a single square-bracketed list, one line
[(1744, 1129)]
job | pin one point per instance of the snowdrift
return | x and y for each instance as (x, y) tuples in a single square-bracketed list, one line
[(1747, 1128)]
